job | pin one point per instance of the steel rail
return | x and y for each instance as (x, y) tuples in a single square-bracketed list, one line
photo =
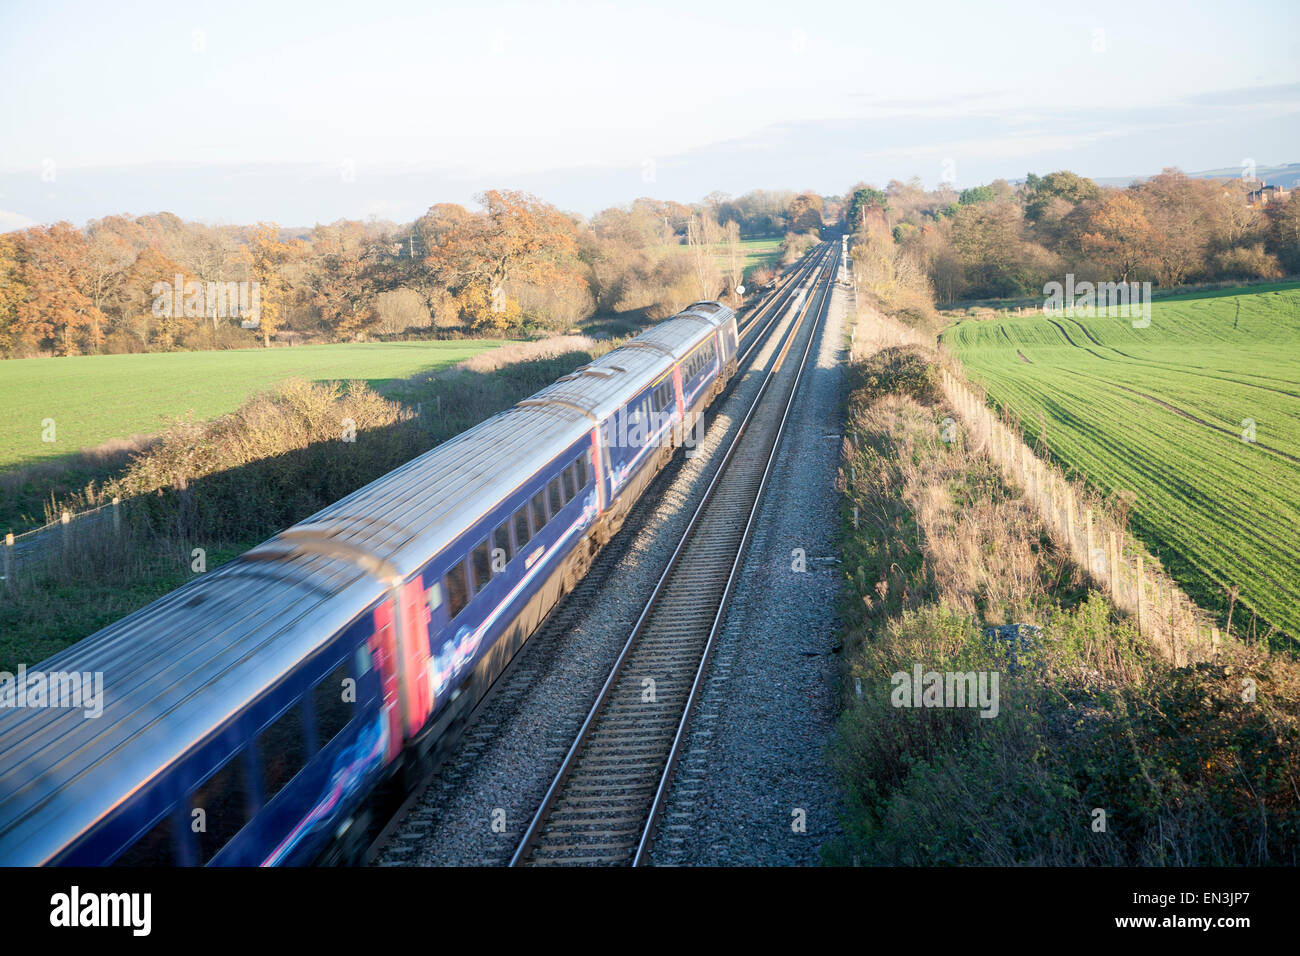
[(617, 753)]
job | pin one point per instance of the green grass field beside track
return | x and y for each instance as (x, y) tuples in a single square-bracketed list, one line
[(95, 398), (1161, 411)]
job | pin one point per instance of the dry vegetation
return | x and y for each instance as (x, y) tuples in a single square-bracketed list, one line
[(227, 484), (1187, 771)]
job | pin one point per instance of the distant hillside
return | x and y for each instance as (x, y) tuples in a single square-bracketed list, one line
[(1287, 176)]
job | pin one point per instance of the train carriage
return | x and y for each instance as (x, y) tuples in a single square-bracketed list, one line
[(249, 714)]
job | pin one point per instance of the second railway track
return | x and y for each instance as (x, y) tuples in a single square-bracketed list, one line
[(602, 807)]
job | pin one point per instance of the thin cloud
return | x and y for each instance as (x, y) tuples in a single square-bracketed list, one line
[(1278, 94)]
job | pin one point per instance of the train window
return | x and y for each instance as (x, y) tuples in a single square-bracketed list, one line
[(155, 848), (282, 751), (333, 702), (481, 559), (570, 486), (225, 802), (580, 469), (539, 510), (457, 589), (501, 542), (521, 527), (553, 494)]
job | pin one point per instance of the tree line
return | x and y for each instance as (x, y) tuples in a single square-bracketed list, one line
[(515, 266), (1005, 241)]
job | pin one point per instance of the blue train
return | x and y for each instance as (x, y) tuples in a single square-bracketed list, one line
[(248, 717)]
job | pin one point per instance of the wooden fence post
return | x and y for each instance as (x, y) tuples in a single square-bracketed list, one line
[(1069, 516), (9, 558), (1141, 592), (1088, 540), (1113, 560)]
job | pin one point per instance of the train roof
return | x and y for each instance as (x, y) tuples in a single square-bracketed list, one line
[(177, 669), (172, 672), (418, 509)]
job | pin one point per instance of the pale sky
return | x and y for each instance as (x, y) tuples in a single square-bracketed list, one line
[(304, 112)]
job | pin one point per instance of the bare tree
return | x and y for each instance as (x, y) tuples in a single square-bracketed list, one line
[(699, 253), (735, 260)]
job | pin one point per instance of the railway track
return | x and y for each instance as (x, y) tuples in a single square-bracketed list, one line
[(404, 827), (603, 805), (787, 287)]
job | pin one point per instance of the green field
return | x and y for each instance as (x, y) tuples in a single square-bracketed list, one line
[(1161, 411), (758, 253), (95, 398)]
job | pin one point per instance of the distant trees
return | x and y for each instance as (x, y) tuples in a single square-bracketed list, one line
[(1282, 235), (806, 213), (999, 240), (1118, 235), (861, 200), (55, 269), (1063, 186), (344, 278), (514, 265), (15, 332), (516, 237)]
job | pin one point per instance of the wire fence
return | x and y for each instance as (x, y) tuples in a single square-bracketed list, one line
[(1093, 535), (19, 548)]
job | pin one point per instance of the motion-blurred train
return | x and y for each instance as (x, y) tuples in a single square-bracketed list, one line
[(248, 717)]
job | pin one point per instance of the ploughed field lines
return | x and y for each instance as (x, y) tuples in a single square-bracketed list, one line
[(600, 808), (1162, 411)]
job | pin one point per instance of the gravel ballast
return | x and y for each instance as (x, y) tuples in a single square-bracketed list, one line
[(753, 787), (481, 800)]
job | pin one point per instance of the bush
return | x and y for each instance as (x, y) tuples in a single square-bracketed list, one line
[(898, 370), (1246, 262), (276, 459), (1187, 772)]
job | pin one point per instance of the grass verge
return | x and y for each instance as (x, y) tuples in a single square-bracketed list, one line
[(1100, 752)]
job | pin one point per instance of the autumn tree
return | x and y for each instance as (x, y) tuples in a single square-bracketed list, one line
[(55, 269), (152, 270), (986, 235), (344, 278), (1118, 234), (1284, 232), (1179, 211), (14, 333), (265, 257), (806, 212), (516, 237), (108, 258)]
